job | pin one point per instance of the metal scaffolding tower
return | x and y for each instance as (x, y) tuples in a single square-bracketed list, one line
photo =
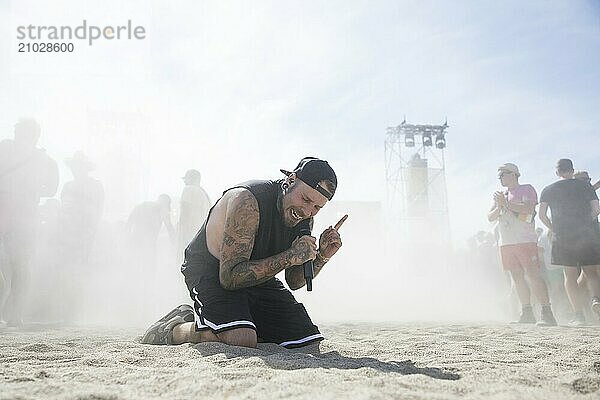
[(417, 205)]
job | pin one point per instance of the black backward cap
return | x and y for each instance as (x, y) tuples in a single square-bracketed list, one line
[(311, 171)]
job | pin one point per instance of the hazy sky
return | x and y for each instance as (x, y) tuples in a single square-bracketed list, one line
[(240, 89)]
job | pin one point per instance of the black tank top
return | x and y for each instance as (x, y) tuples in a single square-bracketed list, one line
[(272, 236)]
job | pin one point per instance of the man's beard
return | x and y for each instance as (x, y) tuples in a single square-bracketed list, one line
[(285, 213)]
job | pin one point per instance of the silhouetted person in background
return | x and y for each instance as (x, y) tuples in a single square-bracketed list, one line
[(82, 202), (194, 208), (27, 174), (574, 208), (143, 226)]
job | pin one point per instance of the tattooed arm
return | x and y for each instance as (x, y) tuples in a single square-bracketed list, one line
[(294, 276), (236, 271)]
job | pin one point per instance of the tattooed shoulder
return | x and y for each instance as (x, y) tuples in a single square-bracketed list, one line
[(242, 215), (241, 223)]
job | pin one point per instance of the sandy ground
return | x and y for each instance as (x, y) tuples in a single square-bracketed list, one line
[(408, 361)]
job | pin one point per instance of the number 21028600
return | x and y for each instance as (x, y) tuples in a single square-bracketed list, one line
[(46, 47)]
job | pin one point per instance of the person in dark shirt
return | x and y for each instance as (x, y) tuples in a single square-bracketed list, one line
[(252, 233), (144, 225), (27, 174), (574, 209), (82, 202)]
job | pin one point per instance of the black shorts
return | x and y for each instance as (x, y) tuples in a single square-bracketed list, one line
[(576, 251), (270, 309)]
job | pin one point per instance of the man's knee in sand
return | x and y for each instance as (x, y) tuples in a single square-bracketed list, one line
[(245, 337)]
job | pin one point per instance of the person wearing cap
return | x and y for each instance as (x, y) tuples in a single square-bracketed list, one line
[(574, 208), (514, 210), (80, 212), (82, 203), (193, 209), (252, 233)]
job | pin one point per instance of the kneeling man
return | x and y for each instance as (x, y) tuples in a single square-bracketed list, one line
[(251, 234)]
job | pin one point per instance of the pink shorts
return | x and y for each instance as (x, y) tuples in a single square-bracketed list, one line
[(522, 255)]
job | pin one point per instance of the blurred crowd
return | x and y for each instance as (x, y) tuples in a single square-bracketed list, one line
[(57, 253), (556, 269)]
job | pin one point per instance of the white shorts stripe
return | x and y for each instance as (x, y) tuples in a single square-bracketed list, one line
[(303, 340), (211, 325), (228, 324), (199, 324), (196, 297)]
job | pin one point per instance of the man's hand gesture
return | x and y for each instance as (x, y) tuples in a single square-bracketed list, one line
[(330, 241)]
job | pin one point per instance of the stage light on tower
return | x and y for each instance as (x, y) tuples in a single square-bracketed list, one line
[(427, 139), (440, 141)]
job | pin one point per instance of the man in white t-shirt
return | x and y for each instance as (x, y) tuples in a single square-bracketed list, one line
[(514, 210), (194, 208)]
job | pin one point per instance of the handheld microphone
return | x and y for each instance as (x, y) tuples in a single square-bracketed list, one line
[(309, 271)]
